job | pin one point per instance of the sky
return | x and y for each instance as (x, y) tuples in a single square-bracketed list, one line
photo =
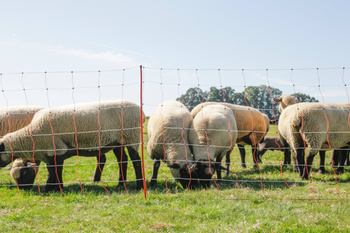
[(62, 52)]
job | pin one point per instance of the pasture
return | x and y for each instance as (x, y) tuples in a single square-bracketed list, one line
[(263, 201)]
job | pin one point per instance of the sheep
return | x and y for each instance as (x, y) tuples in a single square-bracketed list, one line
[(212, 136), (168, 141), (315, 124), (273, 143), (24, 172), (100, 128), (285, 101), (251, 128), (13, 118)]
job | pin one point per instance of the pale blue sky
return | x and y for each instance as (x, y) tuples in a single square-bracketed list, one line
[(111, 35)]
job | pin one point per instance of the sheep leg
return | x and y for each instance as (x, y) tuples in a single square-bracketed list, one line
[(260, 153), (335, 158), (287, 157), (242, 153), (322, 161), (343, 155), (122, 158), (54, 181), (255, 159), (307, 169), (218, 169), (156, 165), (300, 161), (136, 160), (228, 161), (101, 160)]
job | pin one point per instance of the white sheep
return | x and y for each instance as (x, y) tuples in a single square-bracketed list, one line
[(251, 128), (213, 134), (315, 124), (100, 127), (168, 141)]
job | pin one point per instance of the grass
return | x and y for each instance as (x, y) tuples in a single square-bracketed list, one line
[(302, 206)]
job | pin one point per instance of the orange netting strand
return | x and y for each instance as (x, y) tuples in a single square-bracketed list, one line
[(99, 132), (163, 127), (255, 144), (31, 136), (12, 157), (274, 117), (76, 138), (329, 143), (232, 144), (206, 135), (53, 137), (122, 134), (142, 137), (301, 132)]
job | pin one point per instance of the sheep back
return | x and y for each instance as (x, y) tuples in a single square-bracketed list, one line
[(214, 125), (308, 121), (248, 119), (168, 126)]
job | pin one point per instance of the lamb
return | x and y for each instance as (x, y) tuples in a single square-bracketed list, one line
[(309, 123), (168, 141), (251, 128), (100, 128), (213, 134)]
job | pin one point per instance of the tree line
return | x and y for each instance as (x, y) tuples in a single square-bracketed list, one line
[(258, 97)]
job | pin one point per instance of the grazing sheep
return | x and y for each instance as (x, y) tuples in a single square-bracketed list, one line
[(309, 123), (273, 143), (100, 127), (168, 141), (251, 128), (213, 134), (11, 119)]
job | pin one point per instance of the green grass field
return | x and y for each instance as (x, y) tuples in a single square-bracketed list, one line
[(262, 202)]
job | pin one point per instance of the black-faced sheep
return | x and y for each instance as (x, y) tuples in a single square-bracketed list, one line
[(274, 143), (168, 141), (100, 127), (285, 101), (11, 119), (213, 134), (314, 124), (251, 128)]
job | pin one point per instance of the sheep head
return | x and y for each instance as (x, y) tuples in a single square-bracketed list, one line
[(185, 174), (285, 101), (24, 173)]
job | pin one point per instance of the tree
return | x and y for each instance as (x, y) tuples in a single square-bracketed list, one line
[(192, 97), (304, 97), (258, 97)]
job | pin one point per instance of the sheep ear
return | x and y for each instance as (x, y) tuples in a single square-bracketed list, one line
[(175, 165), (278, 99)]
